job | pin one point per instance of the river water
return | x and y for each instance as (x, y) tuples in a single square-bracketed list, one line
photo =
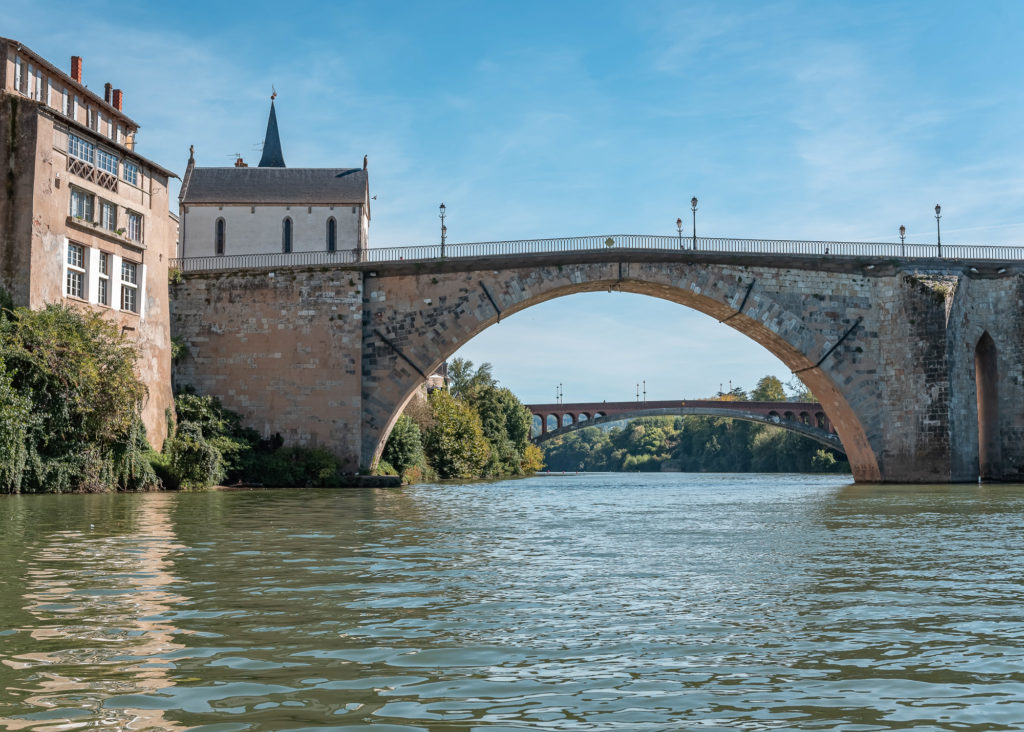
[(619, 602)]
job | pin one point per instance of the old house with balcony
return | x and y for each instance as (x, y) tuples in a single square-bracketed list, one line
[(240, 213), (84, 218)]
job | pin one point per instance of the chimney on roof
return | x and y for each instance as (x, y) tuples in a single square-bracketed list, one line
[(106, 92), (239, 163), (118, 100), (76, 68)]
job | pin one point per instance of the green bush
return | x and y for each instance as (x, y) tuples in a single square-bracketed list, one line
[(69, 404), (194, 461), (404, 447)]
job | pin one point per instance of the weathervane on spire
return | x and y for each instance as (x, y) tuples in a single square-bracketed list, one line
[(274, 95)]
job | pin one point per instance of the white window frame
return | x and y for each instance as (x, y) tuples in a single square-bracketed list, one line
[(79, 147), (103, 280), (89, 201), (108, 222), (106, 161), (65, 101), (130, 173), (75, 277), (130, 286), (134, 226)]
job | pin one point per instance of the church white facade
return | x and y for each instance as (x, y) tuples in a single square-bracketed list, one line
[(272, 209)]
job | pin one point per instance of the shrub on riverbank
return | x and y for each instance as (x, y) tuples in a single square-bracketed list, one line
[(69, 404), (473, 429), (211, 446)]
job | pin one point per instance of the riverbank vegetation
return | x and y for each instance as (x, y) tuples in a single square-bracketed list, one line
[(69, 404), (698, 444), (472, 429), (210, 446)]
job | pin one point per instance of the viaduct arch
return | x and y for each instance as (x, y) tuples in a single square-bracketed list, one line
[(329, 355), (785, 415)]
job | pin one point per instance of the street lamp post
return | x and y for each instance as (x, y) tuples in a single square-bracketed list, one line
[(693, 207), (938, 228), (679, 228), (903, 235), (444, 231)]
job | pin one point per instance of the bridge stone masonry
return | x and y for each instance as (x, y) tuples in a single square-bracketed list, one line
[(917, 360)]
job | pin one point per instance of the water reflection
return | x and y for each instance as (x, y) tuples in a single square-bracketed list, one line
[(95, 605), (622, 602)]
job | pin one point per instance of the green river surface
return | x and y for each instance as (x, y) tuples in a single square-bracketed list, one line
[(598, 601)]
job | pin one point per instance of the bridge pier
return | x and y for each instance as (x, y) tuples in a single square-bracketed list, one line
[(919, 368)]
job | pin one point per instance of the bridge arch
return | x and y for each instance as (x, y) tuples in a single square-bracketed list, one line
[(468, 299)]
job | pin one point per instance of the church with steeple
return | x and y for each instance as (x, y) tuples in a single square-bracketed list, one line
[(271, 208)]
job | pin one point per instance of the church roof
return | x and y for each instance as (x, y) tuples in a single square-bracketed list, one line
[(281, 186), (272, 155)]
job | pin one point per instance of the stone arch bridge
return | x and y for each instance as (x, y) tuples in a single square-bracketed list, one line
[(804, 418), (916, 357)]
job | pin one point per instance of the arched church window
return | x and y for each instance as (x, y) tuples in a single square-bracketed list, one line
[(218, 236), (286, 235), (332, 235)]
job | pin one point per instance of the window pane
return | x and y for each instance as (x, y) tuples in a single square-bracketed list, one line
[(81, 149), (108, 215), (106, 161), (103, 295), (134, 227), (128, 272), (129, 300), (75, 283), (130, 172), (76, 256), (104, 263)]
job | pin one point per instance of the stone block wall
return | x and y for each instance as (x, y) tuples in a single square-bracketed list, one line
[(281, 348)]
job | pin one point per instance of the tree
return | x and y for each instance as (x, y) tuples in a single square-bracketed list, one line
[(404, 447), (455, 445), (798, 391), (768, 389), (464, 380)]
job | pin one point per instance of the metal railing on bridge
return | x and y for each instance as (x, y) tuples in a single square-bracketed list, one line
[(621, 242)]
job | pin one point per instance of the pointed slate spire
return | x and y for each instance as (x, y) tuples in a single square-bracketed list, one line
[(272, 155)]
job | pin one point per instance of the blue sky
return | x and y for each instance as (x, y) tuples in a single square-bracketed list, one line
[(534, 119)]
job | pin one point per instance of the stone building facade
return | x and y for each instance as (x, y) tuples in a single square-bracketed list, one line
[(84, 219), (272, 209)]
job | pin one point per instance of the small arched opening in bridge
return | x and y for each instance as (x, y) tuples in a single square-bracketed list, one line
[(536, 425), (789, 416), (583, 417), (728, 297), (986, 378), (567, 420)]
